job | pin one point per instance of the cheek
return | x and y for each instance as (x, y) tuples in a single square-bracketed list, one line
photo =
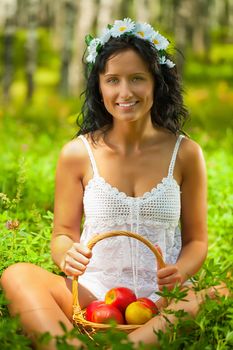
[(146, 91), (148, 95), (108, 96), (108, 102)]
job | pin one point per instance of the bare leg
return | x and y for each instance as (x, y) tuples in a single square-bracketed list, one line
[(41, 299), (191, 306)]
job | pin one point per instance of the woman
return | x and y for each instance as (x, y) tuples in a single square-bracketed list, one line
[(129, 169)]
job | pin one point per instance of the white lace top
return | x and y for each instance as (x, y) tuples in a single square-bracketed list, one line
[(123, 261)]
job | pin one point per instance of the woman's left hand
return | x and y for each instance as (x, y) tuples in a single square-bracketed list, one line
[(169, 277)]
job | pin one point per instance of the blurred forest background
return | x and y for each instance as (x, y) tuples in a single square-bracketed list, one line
[(42, 44), (41, 75), (42, 41)]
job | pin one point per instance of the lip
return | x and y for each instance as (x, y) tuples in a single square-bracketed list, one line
[(126, 105)]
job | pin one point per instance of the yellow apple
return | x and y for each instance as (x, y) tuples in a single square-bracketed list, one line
[(138, 313)]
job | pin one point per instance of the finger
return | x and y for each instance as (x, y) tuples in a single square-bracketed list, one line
[(69, 262), (70, 271), (167, 271), (78, 257), (171, 279), (84, 250)]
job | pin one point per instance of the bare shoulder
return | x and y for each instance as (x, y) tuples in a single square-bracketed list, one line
[(73, 150), (190, 150), (73, 156), (191, 156)]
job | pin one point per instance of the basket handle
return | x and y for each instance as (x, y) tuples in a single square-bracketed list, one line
[(100, 237)]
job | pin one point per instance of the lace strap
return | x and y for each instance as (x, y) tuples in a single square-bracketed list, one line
[(90, 153), (173, 160)]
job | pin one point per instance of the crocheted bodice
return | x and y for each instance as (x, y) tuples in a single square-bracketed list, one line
[(121, 260)]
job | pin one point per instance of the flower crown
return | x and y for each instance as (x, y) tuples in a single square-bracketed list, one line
[(128, 27)]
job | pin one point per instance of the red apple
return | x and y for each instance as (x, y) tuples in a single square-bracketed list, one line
[(138, 313), (105, 313), (150, 304), (91, 307), (120, 297)]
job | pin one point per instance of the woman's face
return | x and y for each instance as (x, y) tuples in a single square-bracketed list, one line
[(127, 87)]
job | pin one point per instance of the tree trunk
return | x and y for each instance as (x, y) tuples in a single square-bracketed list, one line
[(182, 30), (200, 27), (230, 26), (106, 13), (31, 46), (8, 47), (69, 10), (155, 13), (58, 24), (225, 18), (86, 15), (125, 8), (142, 10), (8, 40)]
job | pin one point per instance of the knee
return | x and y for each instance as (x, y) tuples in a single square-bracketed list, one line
[(14, 275)]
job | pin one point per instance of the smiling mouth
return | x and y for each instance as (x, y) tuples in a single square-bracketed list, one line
[(128, 104)]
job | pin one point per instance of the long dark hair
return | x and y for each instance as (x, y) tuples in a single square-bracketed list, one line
[(168, 109)]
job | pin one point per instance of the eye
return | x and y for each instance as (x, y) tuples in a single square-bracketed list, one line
[(138, 78), (112, 80)]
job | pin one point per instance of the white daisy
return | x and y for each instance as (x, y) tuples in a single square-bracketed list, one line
[(144, 31), (164, 60), (105, 36), (160, 42), (128, 26), (169, 63), (121, 27), (92, 50), (91, 57)]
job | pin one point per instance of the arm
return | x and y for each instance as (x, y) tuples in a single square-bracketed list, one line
[(193, 217), (67, 252)]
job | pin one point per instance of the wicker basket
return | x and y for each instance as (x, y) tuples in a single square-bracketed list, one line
[(78, 314)]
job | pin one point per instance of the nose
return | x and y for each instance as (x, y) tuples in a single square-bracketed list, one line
[(125, 90)]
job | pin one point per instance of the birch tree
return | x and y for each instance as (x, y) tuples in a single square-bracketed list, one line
[(9, 12), (58, 24), (69, 11), (86, 16), (182, 30), (125, 8), (106, 12), (31, 46), (223, 17), (201, 26), (142, 10)]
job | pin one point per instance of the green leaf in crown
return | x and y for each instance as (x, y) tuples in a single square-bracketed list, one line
[(88, 39)]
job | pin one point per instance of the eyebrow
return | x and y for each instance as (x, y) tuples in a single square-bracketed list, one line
[(116, 75)]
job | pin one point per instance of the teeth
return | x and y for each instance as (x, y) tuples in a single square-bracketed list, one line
[(127, 104)]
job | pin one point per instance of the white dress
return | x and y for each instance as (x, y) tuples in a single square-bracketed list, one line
[(123, 261)]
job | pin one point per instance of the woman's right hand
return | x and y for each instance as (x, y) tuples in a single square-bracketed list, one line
[(76, 260)]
